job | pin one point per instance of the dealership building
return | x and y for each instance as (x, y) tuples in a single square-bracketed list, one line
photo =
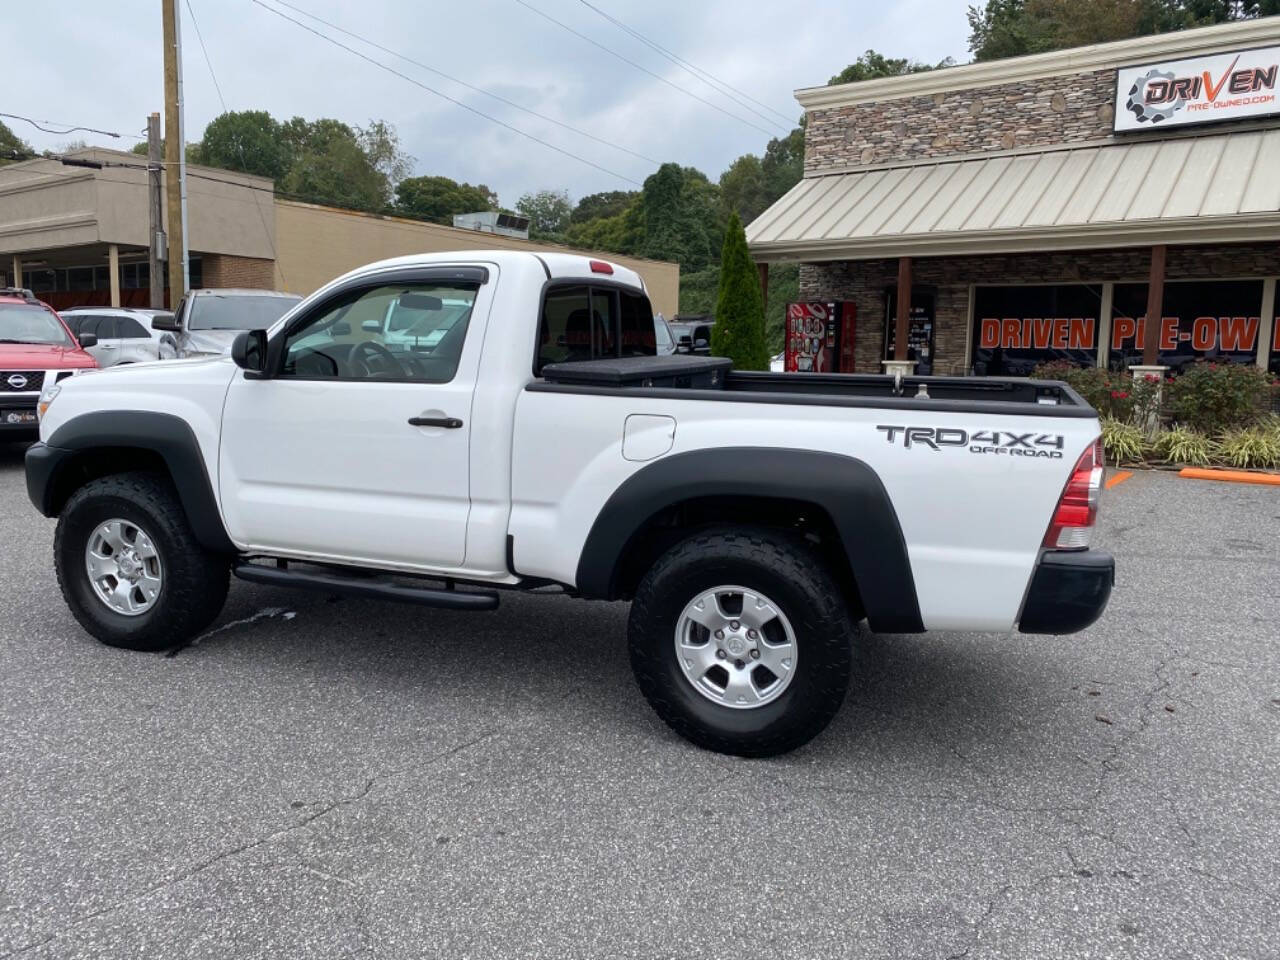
[(78, 235), (997, 215)]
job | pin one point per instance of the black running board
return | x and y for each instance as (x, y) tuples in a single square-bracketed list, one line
[(375, 587)]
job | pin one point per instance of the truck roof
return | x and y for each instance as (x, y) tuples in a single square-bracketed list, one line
[(556, 265)]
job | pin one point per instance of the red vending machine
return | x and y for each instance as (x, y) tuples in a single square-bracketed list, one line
[(820, 337)]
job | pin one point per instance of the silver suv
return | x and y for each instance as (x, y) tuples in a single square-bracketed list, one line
[(207, 321), (124, 335)]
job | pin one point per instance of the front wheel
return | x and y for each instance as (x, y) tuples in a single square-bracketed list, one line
[(741, 641), (130, 567)]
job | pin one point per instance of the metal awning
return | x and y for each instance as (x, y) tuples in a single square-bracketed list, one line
[(1201, 189)]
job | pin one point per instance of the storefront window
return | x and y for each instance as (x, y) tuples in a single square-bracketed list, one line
[(919, 334), (1203, 320), (1015, 329)]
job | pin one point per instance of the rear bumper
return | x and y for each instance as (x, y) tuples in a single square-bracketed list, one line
[(1069, 591)]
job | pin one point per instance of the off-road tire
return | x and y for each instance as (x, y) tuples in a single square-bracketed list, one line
[(789, 571), (195, 580)]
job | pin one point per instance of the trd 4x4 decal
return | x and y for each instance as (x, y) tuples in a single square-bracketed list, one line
[(998, 442)]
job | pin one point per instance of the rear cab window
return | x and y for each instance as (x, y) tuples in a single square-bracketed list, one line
[(588, 321)]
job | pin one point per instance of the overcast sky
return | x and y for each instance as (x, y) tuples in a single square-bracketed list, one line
[(101, 67)]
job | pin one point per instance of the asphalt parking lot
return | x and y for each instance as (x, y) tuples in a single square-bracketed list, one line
[(321, 778)]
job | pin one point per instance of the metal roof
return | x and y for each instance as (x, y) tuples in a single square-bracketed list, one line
[(1201, 189)]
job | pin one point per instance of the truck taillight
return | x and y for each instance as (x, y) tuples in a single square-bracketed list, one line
[(1078, 506)]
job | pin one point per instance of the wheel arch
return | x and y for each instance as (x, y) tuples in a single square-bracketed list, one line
[(106, 442), (820, 494)]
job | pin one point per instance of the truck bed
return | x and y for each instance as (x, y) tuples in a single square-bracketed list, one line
[(711, 378)]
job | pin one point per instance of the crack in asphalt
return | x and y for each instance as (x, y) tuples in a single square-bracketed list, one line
[(245, 847)]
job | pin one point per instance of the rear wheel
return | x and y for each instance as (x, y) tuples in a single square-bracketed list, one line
[(130, 567), (741, 641)]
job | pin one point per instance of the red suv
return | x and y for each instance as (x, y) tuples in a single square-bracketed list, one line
[(36, 349)]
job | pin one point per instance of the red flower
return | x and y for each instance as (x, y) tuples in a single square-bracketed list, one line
[(1118, 395)]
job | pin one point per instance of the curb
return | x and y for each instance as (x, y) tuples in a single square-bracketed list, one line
[(1231, 476)]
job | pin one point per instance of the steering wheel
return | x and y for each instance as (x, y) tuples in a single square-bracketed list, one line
[(372, 359)]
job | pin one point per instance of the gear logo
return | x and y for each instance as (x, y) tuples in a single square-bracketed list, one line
[(1145, 112)]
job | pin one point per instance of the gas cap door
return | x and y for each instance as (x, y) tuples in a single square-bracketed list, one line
[(646, 436)]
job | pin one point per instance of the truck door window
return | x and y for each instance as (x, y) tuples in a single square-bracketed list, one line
[(405, 331)]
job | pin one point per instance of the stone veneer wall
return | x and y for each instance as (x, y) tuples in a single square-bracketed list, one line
[(866, 282), (1054, 111)]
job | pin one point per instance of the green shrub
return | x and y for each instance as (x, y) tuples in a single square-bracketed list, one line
[(1183, 445), (1113, 394), (1255, 446), (1214, 397), (1123, 442), (739, 329)]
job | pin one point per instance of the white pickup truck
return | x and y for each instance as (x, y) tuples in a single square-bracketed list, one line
[(532, 438)]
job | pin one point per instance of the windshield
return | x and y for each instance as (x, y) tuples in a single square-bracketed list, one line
[(663, 333), (219, 312), (28, 323)]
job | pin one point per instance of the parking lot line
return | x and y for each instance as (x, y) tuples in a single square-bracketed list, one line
[(1231, 476), (1118, 478)]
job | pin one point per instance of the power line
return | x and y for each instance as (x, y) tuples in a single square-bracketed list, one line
[(207, 62), (643, 69), (14, 116), (469, 86), (445, 96), (266, 230), (696, 72)]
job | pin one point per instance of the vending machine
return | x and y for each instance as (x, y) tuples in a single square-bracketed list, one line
[(820, 337)]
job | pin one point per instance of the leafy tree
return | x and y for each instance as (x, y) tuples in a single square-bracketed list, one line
[(12, 146), (783, 163), (439, 198), (548, 212), (381, 144), (739, 329), (680, 217), (595, 206), (251, 141), (140, 148), (330, 166), (1011, 28), (871, 65), (620, 233), (742, 188)]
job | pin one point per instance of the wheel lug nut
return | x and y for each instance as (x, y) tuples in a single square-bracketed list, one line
[(755, 654), (752, 634), (720, 654), (733, 624), (719, 634), (738, 664)]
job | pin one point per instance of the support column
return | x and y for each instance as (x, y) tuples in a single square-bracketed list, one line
[(113, 264), (1104, 323), (17, 270), (1266, 321), (1155, 307), (155, 185), (900, 365), (763, 269)]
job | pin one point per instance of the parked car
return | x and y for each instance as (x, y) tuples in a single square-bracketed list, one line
[(692, 336), (666, 340), (123, 335), (206, 321), (36, 350), (753, 519)]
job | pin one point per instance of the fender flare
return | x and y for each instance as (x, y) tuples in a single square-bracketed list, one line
[(164, 434), (846, 488)]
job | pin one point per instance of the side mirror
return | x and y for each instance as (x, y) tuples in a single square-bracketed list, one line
[(88, 340), (700, 344), (249, 350), (169, 323)]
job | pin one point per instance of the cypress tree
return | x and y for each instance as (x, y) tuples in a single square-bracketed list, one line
[(739, 329)]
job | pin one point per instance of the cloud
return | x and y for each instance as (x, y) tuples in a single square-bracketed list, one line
[(103, 68)]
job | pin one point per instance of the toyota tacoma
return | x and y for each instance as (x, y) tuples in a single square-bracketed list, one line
[(517, 431)]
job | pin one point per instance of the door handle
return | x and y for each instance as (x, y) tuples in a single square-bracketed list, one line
[(449, 423)]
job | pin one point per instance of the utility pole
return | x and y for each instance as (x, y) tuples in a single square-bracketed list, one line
[(175, 153), (155, 184)]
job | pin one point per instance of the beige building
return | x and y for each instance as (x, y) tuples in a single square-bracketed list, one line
[(79, 235)]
